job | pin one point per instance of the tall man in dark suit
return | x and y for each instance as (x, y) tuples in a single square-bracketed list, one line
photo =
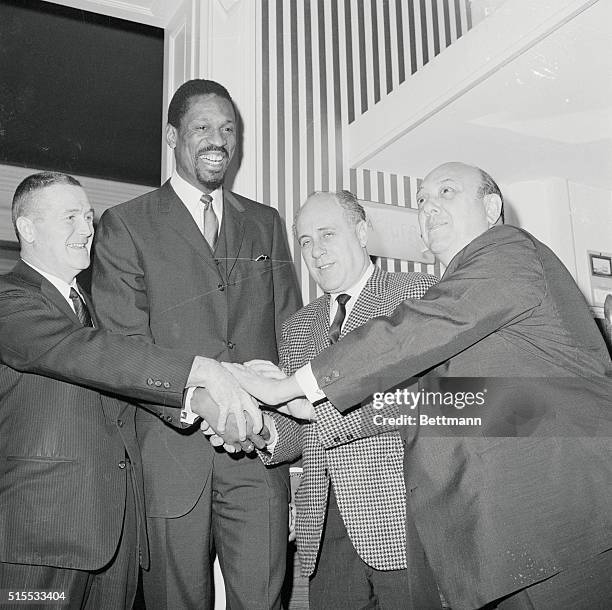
[(194, 266), (351, 518), (506, 522), (72, 519)]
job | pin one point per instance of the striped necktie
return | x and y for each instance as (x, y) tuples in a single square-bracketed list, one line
[(80, 308)]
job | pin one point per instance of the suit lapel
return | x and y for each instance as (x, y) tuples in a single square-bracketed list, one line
[(232, 231), (320, 327), (26, 273), (181, 221), (368, 302), (29, 275), (53, 294)]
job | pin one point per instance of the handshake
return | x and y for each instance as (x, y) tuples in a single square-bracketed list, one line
[(228, 399)]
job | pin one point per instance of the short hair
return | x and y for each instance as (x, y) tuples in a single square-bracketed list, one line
[(488, 186), (23, 202), (179, 104), (353, 210)]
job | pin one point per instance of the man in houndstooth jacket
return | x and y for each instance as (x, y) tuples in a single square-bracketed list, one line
[(351, 517)]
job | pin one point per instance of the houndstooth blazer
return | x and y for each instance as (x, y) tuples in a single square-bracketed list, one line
[(367, 473)]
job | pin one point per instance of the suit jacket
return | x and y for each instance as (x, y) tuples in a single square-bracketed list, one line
[(154, 276), (366, 472), (496, 514), (62, 445)]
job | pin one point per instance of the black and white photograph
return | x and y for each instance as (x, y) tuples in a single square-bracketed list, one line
[(306, 304)]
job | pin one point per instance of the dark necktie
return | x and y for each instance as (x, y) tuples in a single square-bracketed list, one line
[(80, 308), (211, 224), (336, 327)]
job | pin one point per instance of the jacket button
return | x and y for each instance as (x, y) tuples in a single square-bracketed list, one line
[(221, 286), (336, 439), (168, 417), (166, 384), (335, 374), (349, 437), (121, 464), (230, 345), (150, 381), (157, 383), (120, 422)]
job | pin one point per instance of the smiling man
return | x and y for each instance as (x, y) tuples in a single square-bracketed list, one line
[(351, 520), (515, 516), (71, 483), (192, 265)]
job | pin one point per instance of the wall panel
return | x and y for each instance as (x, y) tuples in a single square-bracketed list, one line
[(322, 64)]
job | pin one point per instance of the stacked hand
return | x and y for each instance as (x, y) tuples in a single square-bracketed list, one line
[(266, 382), (231, 415), (297, 407), (225, 407), (229, 437)]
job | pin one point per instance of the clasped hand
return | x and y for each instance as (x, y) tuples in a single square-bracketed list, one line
[(231, 415), (258, 377)]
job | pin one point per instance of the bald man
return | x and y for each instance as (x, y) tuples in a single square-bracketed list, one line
[(514, 512)]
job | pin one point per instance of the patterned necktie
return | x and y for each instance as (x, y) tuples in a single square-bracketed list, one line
[(211, 224), (80, 308), (336, 327)]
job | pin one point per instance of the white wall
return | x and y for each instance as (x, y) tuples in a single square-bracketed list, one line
[(542, 208), (591, 212), (568, 217)]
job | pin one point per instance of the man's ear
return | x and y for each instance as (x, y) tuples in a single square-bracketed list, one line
[(26, 229), (492, 207), (362, 233), (171, 135)]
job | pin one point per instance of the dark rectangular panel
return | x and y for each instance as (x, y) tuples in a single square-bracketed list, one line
[(80, 92)]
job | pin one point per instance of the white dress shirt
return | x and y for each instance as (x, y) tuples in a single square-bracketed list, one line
[(354, 291), (190, 196)]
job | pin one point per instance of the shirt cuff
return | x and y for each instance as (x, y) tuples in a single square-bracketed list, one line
[(187, 415), (271, 424), (308, 384)]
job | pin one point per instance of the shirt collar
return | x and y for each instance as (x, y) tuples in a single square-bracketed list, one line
[(355, 290), (61, 285), (190, 196)]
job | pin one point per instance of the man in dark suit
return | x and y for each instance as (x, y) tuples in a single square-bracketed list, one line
[(506, 522), (72, 520), (194, 266), (351, 518)]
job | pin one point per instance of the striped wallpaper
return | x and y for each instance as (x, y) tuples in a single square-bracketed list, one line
[(322, 64)]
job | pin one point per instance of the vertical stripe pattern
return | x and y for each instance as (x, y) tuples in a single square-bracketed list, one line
[(323, 64)]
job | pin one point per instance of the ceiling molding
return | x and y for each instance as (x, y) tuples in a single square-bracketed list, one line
[(228, 5), (149, 12)]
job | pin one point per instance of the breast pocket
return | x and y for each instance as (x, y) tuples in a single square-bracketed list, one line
[(252, 274)]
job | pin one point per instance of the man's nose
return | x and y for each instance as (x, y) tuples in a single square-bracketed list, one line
[(317, 250), (216, 137), (430, 208), (85, 227)]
